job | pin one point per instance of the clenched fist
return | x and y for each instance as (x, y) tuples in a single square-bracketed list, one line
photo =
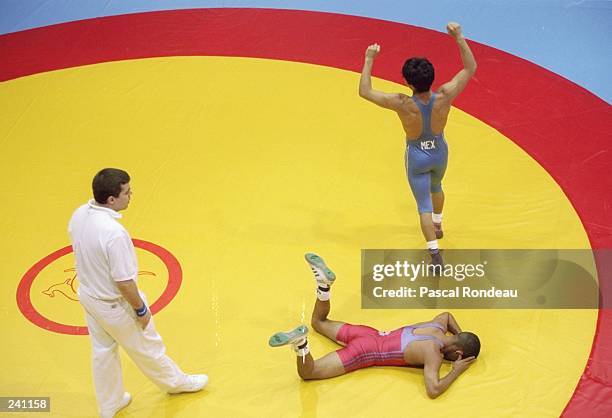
[(454, 30), (372, 51)]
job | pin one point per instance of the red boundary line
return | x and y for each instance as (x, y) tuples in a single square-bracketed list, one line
[(561, 125)]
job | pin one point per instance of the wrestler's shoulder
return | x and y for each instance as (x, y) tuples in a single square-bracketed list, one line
[(407, 104)]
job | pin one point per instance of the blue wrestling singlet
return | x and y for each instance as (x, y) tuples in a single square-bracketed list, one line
[(425, 159), (408, 336)]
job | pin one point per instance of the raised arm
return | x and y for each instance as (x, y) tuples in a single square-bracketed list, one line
[(431, 371), (449, 322), (391, 101), (451, 89)]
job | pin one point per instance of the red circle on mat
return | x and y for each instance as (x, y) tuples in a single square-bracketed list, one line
[(175, 277)]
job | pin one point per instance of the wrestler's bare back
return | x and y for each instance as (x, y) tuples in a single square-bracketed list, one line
[(410, 116), (414, 354)]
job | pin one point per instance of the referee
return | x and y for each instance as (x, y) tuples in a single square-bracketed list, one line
[(117, 313)]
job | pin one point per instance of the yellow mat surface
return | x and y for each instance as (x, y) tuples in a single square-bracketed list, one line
[(240, 166)]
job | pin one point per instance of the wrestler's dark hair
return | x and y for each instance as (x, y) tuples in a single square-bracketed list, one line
[(419, 73), (469, 343), (108, 183)]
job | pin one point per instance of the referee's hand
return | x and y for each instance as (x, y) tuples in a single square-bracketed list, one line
[(144, 320)]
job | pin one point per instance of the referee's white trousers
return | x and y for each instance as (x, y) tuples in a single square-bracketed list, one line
[(113, 323)]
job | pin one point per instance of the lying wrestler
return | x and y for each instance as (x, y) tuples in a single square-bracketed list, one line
[(424, 344)]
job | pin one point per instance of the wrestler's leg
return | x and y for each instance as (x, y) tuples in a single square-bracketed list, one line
[(327, 366), (420, 185), (324, 278), (437, 195), (438, 201), (438, 205), (427, 226), (322, 324)]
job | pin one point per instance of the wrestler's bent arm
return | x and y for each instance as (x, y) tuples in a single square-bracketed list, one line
[(391, 101), (431, 370), (449, 322), (451, 89)]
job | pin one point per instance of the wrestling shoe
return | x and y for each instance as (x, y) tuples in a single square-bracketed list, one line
[(436, 260), (125, 401), (438, 230), (194, 383), (295, 336), (323, 275)]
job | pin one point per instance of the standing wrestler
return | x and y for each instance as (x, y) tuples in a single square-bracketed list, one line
[(423, 118), (424, 344), (117, 313)]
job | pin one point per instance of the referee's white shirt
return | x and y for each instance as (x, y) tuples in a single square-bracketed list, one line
[(103, 250)]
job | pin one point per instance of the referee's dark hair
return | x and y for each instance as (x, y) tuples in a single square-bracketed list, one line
[(108, 183)]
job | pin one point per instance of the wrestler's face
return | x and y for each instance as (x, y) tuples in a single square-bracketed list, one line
[(122, 201)]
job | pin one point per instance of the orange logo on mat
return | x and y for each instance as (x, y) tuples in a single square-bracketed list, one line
[(66, 289)]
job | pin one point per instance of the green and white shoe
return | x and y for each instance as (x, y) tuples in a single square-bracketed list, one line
[(290, 337), (323, 275)]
